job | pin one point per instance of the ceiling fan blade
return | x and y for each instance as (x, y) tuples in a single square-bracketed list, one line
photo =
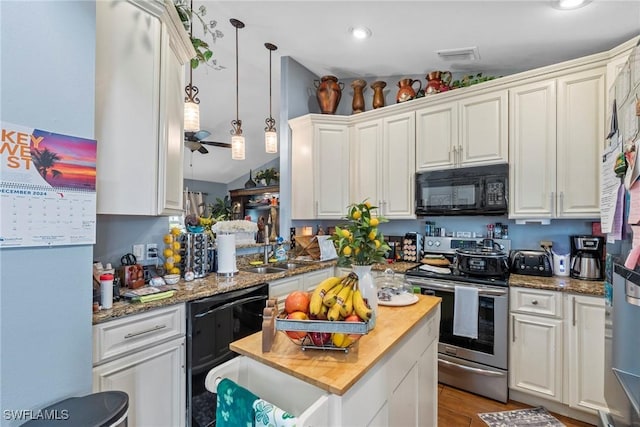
[(192, 145), (201, 134), (217, 144), (203, 150)]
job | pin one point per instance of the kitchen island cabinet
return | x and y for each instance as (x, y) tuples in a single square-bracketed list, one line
[(388, 378), (141, 50)]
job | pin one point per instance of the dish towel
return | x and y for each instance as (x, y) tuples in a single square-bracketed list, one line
[(465, 312), (234, 405), (270, 415)]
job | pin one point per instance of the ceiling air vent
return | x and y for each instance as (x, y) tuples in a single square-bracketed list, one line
[(460, 54)]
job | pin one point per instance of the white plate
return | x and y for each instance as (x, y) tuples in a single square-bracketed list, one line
[(400, 300)]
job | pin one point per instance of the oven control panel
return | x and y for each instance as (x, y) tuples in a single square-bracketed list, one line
[(448, 245)]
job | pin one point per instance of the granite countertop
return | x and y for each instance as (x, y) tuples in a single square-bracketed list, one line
[(214, 284), (558, 283)]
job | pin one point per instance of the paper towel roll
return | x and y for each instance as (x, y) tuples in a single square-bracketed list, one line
[(226, 253)]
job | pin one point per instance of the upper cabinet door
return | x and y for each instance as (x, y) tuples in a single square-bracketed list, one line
[(331, 163), (398, 166), (483, 129), (532, 150), (437, 136), (366, 164), (580, 140)]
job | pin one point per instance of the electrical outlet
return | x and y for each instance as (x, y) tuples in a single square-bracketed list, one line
[(138, 252), (152, 250)]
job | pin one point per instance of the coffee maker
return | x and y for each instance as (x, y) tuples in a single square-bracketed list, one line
[(586, 257)]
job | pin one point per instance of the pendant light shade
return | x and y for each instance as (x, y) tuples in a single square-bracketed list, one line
[(191, 107), (270, 134), (237, 140)]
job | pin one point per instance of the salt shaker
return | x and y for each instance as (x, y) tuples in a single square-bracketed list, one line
[(106, 290)]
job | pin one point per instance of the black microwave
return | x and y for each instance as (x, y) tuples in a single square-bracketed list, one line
[(479, 190)]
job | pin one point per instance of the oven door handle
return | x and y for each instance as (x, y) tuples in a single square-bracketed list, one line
[(231, 304), (451, 288), (486, 373)]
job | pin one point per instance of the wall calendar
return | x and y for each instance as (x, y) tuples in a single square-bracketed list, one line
[(47, 188)]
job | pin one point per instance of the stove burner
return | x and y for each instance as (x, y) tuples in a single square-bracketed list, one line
[(458, 276)]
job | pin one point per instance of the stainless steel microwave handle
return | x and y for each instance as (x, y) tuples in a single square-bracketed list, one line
[(451, 288), (231, 304), (485, 372)]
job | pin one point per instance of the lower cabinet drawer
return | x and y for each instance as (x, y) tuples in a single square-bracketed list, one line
[(536, 301), (131, 333)]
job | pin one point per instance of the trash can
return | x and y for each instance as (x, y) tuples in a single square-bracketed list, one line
[(104, 409)]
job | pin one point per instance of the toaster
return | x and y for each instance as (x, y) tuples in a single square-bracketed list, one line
[(531, 262)]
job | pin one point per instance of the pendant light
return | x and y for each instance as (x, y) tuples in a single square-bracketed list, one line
[(237, 140), (191, 107), (270, 134)]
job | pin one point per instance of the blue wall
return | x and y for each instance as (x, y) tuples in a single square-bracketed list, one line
[(47, 80)]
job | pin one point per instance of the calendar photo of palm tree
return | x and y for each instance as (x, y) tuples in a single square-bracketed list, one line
[(63, 160)]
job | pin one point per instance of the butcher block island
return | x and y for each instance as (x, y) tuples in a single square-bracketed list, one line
[(389, 377)]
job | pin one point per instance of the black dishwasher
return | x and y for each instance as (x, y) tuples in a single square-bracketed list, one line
[(213, 323)]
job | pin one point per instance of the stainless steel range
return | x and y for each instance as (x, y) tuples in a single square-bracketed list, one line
[(475, 360)]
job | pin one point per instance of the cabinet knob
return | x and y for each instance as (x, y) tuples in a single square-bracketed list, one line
[(534, 302)]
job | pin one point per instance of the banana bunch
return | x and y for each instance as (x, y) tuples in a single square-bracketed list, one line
[(338, 298)]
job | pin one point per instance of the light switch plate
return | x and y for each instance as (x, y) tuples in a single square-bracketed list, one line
[(152, 250), (138, 252)]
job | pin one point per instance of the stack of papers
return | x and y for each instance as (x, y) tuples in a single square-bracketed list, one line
[(150, 293)]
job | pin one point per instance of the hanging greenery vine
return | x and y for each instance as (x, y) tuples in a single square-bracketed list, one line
[(204, 54)]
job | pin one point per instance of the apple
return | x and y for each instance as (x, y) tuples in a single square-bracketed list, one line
[(297, 301), (297, 315), (353, 318), (320, 338)]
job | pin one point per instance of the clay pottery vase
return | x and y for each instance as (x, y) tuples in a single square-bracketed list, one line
[(437, 81), (357, 105), (328, 92), (407, 91), (378, 95)]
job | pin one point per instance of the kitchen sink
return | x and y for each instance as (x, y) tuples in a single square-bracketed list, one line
[(264, 270), (287, 265)]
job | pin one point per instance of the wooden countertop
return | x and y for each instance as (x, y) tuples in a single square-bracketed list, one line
[(213, 284), (336, 371), (558, 283)]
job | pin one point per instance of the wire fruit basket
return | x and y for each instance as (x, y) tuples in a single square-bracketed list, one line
[(321, 334)]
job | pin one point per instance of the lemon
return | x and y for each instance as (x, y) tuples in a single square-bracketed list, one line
[(176, 258), (377, 242), (357, 251), (373, 222), (346, 233), (368, 205), (356, 214), (175, 246), (168, 238), (346, 251), (175, 231), (372, 235), (167, 253), (340, 340), (174, 270), (168, 265)]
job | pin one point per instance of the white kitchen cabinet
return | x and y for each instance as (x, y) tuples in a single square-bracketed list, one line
[(312, 279), (556, 350), (585, 352), (319, 167), (129, 353), (536, 355), (141, 49), (468, 132), (383, 165), (556, 130), (280, 288)]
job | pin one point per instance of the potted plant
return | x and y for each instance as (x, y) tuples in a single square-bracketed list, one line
[(204, 54), (268, 175)]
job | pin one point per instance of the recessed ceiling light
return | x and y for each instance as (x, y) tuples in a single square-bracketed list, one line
[(360, 33), (569, 4)]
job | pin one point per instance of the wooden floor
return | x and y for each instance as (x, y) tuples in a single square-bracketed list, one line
[(457, 408)]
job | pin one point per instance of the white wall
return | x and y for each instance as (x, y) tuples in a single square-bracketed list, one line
[(47, 81)]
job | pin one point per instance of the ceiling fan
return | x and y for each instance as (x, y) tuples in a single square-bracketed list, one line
[(194, 141)]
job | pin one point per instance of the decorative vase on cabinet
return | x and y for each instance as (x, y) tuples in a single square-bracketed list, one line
[(329, 92), (358, 86), (378, 95)]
